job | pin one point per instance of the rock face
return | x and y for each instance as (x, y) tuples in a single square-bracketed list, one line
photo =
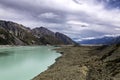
[(5, 38), (16, 34)]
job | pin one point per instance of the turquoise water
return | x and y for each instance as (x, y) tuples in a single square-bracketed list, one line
[(25, 62)]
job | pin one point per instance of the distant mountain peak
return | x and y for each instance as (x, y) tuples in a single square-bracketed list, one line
[(106, 39)]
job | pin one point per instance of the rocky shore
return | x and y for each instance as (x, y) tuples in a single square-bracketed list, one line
[(85, 63)]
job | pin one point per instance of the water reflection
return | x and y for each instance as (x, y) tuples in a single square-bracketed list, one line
[(5, 53)]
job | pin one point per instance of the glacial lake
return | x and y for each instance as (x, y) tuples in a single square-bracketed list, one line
[(25, 62)]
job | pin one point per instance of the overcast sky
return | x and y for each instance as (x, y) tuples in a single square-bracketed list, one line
[(75, 18)]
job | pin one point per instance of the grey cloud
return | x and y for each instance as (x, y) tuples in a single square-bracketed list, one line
[(32, 13), (52, 18)]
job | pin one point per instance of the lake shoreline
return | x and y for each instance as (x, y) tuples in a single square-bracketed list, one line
[(30, 45), (52, 74), (82, 63)]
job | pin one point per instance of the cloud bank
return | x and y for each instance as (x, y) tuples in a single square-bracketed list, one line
[(75, 18)]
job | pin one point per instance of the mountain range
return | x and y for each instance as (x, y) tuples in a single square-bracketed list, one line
[(106, 40), (12, 33)]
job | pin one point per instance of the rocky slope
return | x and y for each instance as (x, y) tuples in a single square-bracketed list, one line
[(6, 38), (63, 38), (21, 34), (17, 34), (85, 63), (48, 37)]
